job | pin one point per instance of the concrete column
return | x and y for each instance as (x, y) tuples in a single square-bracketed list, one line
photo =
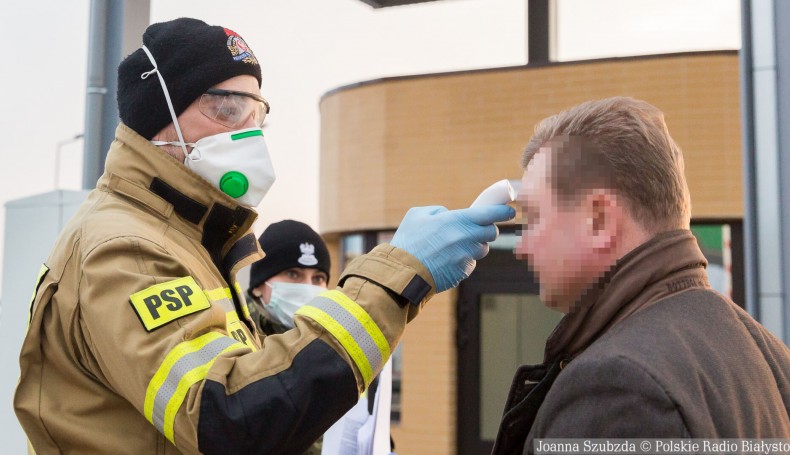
[(765, 95)]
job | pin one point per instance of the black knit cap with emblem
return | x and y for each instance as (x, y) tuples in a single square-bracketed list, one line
[(289, 244), (192, 57)]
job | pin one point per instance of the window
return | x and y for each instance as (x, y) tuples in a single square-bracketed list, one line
[(715, 242), (351, 246), (501, 325), (721, 241), (397, 382), (513, 332)]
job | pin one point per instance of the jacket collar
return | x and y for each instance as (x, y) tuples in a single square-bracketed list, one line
[(669, 263), (140, 171)]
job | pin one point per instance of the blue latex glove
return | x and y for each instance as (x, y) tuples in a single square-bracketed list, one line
[(448, 243)]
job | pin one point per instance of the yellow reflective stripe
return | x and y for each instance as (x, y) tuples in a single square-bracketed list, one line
[(186, 364), (353, 327), (224, 293), (172, 357), (233, 324), (187, 381), (41, 273), (344, 337), (218, 294), (244, 310), (364, 318)]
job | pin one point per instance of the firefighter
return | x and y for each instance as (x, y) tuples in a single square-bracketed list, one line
[(140, 339)]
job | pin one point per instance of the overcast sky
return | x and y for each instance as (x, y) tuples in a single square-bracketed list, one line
[(306, 48)]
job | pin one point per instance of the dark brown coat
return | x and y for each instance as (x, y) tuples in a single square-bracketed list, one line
[(653, 352)]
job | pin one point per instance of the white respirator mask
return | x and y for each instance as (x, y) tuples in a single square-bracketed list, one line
[(286, 298), (236, 162)]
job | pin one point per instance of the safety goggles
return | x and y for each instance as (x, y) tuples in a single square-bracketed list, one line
[(231, 108)]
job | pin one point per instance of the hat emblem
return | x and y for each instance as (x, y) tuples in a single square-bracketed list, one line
[(239, 49), (308, 254)]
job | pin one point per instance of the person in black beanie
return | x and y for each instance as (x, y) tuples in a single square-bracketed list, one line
[(209, 80), (192, 57), (140, 338), (295, 269)]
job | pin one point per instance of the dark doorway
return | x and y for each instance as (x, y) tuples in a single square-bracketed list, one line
[(501, 325)]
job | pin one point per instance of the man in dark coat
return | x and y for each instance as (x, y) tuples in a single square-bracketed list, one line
[(646, 349)]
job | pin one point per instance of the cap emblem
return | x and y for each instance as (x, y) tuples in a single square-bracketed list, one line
[(308, 254), (239, 49)]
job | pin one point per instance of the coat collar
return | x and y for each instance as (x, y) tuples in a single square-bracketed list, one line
[(140, 171), (669, 263)]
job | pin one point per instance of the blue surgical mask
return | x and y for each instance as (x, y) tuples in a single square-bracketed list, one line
[(286, 298)]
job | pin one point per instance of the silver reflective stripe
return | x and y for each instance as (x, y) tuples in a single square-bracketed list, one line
[(354, 328), (225, 304), (180, 369)]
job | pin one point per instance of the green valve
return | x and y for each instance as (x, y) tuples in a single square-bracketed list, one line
[(234, 184)]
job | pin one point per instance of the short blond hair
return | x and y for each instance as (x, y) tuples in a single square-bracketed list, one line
[(621, 144)]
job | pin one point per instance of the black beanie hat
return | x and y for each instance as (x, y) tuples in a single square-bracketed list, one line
[(289, 244), (192, 57)]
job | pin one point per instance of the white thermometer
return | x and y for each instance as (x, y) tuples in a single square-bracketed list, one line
[(500, 192)]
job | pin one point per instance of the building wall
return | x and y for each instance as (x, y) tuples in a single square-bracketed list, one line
[(440, 139), (428, 391), (395, 143)]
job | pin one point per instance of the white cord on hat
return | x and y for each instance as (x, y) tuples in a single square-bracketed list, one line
[(167, 97)]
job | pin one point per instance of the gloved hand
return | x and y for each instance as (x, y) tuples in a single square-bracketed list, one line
[(448, 243)]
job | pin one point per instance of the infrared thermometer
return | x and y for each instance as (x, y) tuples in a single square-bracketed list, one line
[(500, 192)]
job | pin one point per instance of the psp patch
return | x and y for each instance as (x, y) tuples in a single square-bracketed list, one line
[(164, 303)]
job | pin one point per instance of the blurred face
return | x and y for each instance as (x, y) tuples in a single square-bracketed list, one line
[(555, 237), (296, 275), (196, 125)]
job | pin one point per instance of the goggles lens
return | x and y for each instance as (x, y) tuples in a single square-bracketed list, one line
[(232, 109)]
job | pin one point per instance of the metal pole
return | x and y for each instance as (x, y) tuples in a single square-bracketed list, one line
[(95, 91), (113, 53), (781, 37), (750, 260), (101, 110), (538, 31)]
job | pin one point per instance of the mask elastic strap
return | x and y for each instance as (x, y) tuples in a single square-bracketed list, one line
[(194, 155), (167, 98)]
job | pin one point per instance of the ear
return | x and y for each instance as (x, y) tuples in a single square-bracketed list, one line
[(604, 212)]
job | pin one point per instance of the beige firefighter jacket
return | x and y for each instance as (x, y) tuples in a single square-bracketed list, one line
[(140, 340)]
